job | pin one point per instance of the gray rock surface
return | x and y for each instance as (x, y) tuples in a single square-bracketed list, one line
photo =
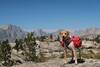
[(59, 63)]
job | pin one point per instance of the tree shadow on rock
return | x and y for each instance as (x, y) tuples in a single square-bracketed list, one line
[(80, 60)]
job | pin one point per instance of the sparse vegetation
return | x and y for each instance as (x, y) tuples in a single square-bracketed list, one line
[(97, 39), (5, 53), (27, 46), (19, 44)]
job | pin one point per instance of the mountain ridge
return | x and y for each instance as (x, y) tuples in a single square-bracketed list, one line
[(12, 32)]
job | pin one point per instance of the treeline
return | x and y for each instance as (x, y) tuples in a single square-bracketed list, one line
[(26, 45), (96, 39)]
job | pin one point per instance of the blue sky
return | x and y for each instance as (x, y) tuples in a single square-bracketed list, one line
[(50, 14)]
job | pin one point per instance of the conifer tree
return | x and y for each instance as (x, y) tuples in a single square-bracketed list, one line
[(5, 52), (30, 45), (19, 44)]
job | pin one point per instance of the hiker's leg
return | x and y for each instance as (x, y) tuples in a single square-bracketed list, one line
[(79, 50), (74, 53), (65, 55), (71, 48)]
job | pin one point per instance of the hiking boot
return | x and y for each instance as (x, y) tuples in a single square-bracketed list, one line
[(71, 61)]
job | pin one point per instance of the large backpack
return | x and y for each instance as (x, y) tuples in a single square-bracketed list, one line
[(77, 41)]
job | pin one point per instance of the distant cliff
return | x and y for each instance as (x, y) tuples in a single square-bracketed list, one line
[(11, 32)]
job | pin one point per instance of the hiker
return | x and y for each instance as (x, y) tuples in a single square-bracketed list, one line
[(70, 42)]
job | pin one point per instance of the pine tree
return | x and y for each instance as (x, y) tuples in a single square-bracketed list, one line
[(58, 38), (19, 44), (0, 53), (30, 45), (5, 52), (97, 39)]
